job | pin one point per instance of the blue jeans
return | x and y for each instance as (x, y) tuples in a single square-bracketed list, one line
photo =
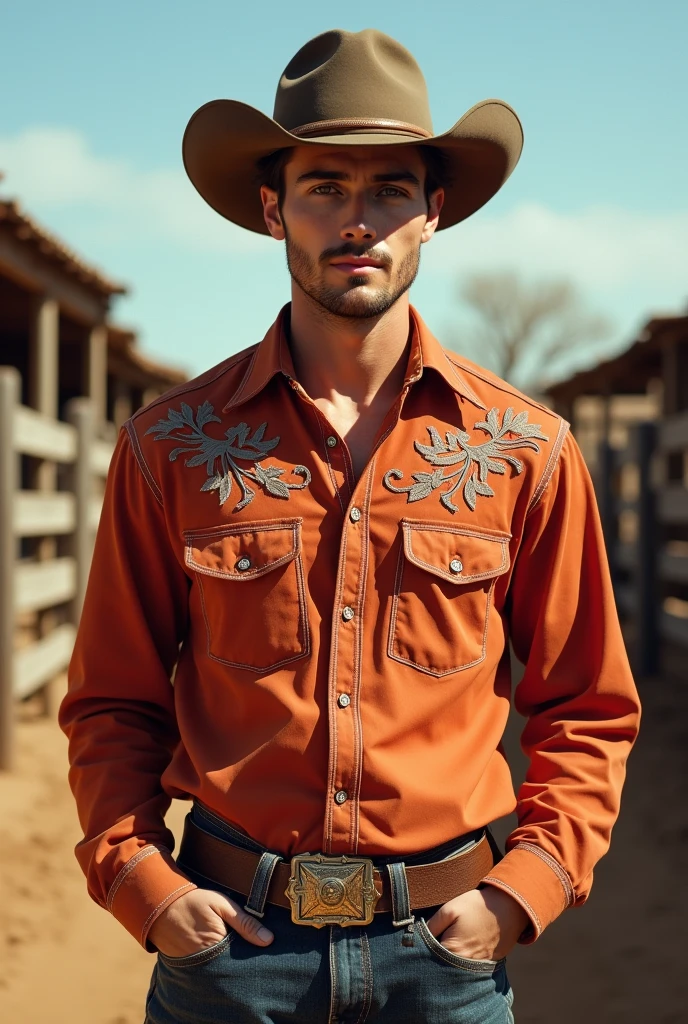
[(329, 975)]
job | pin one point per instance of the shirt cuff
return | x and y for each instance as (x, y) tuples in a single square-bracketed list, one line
[(147, 884), (535, 880)]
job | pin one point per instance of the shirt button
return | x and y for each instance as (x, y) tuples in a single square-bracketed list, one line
[(348, 613), (343, 700), (456, 565), (341, 796), (355, 515), (243, 564), (331, 441)]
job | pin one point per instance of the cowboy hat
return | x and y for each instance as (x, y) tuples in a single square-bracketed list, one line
[(347, 88)]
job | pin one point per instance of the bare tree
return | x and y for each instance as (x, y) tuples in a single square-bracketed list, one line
[(524, 327)]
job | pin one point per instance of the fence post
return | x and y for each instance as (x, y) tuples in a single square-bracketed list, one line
[(605, 490), (80, 415), (647, 654), (10, 393)]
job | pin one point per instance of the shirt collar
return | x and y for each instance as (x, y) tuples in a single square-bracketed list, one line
[(272, 356)]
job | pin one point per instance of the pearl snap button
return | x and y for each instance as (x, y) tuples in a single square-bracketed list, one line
[(355, 515), (341, 796), (343, 700), (243, 564), (331, 441), (348, 613), (456, 565)]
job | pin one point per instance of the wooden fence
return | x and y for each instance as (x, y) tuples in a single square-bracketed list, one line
[(58, 522), (643, 502)]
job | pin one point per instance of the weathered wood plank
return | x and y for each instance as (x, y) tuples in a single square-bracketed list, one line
[(43, 437), (673, 433), (673, 628), (626, 599), (101, 454), (626, 556), (37, 514), (672, 504), (673, 568), (44, 584), (35, 665)]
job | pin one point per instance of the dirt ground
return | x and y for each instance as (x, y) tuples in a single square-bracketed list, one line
[(620, 958)]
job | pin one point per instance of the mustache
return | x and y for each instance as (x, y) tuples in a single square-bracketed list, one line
[(349, 249)]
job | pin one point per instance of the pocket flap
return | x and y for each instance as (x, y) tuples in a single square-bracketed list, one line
[(454, 553), (243, 551)]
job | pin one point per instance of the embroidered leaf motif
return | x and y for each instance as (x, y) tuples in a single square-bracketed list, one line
[(474, 461), (221, 456)]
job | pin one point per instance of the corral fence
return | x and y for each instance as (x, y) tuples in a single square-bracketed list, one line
[(643, 501), (51, 483)]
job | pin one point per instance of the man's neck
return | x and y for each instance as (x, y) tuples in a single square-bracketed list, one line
[(351, 358), (353, 370)]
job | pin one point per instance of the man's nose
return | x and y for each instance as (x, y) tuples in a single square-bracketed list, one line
[(358, 227)]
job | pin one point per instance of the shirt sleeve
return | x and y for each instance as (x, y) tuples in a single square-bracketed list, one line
[(118, 713), (577, 694)]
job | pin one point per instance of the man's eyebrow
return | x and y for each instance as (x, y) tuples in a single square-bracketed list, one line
[(321, 174)]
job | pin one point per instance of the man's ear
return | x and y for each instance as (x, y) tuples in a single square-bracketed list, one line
[(435, 204), (271, 213)]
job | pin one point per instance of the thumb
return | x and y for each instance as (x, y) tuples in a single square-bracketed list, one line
[(246, 924)]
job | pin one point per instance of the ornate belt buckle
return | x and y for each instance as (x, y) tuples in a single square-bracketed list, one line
[(331, 890)]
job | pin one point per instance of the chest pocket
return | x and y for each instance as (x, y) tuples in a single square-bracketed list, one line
[(442, 600), (252, 591)]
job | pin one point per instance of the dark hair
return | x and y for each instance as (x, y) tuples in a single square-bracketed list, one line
[(270, 170)]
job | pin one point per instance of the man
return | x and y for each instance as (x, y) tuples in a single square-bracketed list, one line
[(308, 567)]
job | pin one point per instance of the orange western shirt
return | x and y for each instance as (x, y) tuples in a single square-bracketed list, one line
[(324, 661)]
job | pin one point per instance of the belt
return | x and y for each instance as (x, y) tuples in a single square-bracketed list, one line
[(339, 889)]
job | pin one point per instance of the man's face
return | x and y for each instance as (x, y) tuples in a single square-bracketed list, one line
[(353, 219)]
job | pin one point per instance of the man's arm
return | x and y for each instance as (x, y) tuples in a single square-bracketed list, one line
[(119, 713), (577, 693)]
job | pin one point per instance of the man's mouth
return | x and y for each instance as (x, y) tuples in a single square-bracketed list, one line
[(357, 265)]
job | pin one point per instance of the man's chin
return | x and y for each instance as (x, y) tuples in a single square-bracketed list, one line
[(358, 302)]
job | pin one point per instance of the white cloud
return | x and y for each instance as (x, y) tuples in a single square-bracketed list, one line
[(54, 168), (601, 249)]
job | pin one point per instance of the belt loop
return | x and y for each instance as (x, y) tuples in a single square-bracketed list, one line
[(401, 901), (255, 904)]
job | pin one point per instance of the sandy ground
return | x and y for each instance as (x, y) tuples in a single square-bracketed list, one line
[(618, 959)]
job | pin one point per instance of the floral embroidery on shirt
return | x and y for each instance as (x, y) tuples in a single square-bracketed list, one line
[(239, 444), (473, 461)]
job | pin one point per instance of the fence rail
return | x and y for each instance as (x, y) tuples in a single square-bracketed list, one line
[(52, 588)]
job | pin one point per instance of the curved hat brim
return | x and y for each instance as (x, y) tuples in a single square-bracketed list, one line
[(224, 139)]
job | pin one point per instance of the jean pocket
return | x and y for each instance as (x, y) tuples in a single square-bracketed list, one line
[(201, 956), (463, 963)]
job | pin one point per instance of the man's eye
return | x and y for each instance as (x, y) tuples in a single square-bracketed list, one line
[(390, 190), (318, 188)]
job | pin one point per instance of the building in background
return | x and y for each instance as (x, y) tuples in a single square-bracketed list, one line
[(69, 378)]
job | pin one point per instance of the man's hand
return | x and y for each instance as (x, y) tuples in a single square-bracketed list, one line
[(198, 920), (481, 924)]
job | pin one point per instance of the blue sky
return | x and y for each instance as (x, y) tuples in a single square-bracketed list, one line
[(96, 98)]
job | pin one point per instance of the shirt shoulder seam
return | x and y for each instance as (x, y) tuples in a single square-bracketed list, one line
[(142, 464), (550, 465), (500, 385)]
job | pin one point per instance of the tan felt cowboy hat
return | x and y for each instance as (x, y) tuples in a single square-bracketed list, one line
[(347, 88)]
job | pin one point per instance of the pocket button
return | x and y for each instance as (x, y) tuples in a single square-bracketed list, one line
[(456, 565)]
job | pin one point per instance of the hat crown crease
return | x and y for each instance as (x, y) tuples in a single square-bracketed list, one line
[(344, 76)]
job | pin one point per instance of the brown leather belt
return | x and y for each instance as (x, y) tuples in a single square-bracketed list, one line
[(332, 881)]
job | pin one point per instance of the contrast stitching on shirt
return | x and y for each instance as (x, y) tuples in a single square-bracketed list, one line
[(559, 871), (484, 533), (464, 383), (196, 385), (143, 465), (234, 400), (551, 464), (231, 529), (332, 693), (521, 899), (456, 577), (153, 913), (127, 868), (357, 769), (500, 385)]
